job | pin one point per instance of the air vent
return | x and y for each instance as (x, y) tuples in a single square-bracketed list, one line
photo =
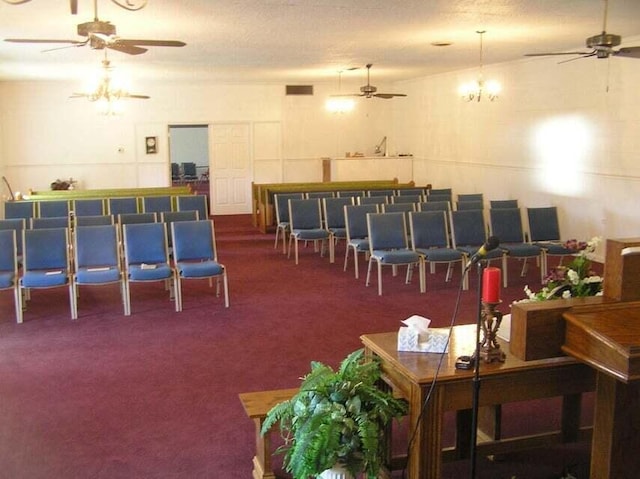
[(299, 89)]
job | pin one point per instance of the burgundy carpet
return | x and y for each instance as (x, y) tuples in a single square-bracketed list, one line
[(155, 395)]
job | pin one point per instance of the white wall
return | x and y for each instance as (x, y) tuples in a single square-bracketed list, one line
[(555, 136), (44, 135)]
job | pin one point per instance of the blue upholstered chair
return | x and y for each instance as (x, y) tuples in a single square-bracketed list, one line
[(118, 206), (305, 219), (195, 255), (9, 268), (333, 209), (406, 199), (357, 234), (97, 220), (506, 224), (97, 259), (544, 230), (385, 193), (372, 200), (435, 206), (469, 205), (469, 233), (193, 203), (168, 217), (350, 193), (410, 192), (46, 262), (17, 225), (50, 222), (156, 204), (189, 171), (496, 204), (430, 238), (146, 258), (471, 197), (19, 209), (283, 227), (389, 246), (88, 207), (319, 194), (137, 218), (53, 208), (440, 194)]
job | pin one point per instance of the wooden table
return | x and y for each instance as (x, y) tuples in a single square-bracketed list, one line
[(412, 374)]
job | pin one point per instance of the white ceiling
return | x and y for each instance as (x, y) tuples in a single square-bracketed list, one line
[(298, 41)]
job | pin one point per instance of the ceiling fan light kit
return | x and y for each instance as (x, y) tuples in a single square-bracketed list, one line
[(477, 89)]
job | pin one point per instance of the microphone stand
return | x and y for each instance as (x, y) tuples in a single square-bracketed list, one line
[(482, 264)]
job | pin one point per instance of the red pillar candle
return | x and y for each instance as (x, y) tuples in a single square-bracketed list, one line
[(491, 285)]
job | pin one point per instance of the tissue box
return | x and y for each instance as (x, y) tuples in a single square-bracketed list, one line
[(433, 341), (436, 341), (408, 339)]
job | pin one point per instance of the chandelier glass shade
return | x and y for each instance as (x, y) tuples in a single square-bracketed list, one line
[(480, 88)]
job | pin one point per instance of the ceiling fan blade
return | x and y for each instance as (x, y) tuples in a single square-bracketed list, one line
[(346, 94), (629, 52), (140, 97), (37, 40), (128, 49), (73, 4), (551, 54), (387, 96), (594, 53), (75, 45), (151, 43)]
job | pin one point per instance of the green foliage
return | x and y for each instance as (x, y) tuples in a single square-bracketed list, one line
[(337, 416)]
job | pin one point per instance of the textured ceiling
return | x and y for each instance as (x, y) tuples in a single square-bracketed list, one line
[(301, 41)]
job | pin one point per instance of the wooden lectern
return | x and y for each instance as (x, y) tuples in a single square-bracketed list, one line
[(607, 338)]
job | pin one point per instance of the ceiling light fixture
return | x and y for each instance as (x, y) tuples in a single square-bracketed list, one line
[(476, 89), (337, 103), (109, 92)]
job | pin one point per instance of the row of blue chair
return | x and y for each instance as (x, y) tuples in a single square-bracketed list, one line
[(100, 206), (100, 257), (447, 236)]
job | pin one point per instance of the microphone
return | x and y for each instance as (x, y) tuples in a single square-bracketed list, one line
[(491, 244)]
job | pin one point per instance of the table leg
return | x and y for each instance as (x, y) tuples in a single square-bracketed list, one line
[(425, 421)]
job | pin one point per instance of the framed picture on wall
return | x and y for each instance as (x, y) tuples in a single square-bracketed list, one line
[(151, 144)]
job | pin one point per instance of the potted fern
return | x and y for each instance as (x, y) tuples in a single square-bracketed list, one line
[(337, 419)]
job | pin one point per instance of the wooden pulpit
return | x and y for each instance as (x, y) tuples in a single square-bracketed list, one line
[(607, 338)]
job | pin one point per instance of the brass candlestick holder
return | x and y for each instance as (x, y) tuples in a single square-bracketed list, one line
[(490, 323)]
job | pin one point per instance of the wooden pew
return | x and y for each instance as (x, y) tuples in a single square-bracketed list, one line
[(263, 212)]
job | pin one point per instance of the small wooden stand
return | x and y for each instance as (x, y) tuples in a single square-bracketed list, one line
[(490, 323)]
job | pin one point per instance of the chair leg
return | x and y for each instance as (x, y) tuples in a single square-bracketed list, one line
[(226, 289), (423, 276), (177, 292), (366, 283), (355, 263), (332, 249), (346, 258), (127, 298), (72, 300), (18, 303), (379, 278), (504, 270)]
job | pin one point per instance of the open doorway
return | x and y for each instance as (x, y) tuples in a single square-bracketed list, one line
[(189, 153)]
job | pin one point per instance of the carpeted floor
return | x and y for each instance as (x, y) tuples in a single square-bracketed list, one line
[(155, 395)]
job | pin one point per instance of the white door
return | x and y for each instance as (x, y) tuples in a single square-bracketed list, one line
[(230, 174)]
